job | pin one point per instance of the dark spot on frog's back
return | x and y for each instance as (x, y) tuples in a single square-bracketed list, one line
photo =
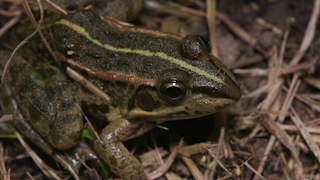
[(123, 65), (147, 66)]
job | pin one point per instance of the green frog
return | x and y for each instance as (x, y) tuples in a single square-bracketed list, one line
[(150, 76)]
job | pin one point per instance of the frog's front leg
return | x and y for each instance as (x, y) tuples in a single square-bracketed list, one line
[(115, 154)]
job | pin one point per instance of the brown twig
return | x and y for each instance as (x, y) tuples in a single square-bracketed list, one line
[(314, 148), (159, 172), (211, 19), (309, 34), (12, 22), (47, 170)]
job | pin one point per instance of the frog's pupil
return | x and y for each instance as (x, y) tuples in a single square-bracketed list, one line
[(173, 92)]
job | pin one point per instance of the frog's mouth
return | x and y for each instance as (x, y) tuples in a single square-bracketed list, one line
[(196, 108)]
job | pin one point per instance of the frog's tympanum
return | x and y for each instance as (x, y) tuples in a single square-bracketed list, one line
[(150, 76)]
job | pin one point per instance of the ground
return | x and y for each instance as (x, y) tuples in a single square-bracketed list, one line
[(272, 47)]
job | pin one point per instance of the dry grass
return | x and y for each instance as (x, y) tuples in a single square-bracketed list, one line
[(272, 133)]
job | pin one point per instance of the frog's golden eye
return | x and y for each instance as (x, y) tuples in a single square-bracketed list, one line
[(173, 92)]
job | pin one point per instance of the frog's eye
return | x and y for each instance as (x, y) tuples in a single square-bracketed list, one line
[(173, 92), (194, 47)]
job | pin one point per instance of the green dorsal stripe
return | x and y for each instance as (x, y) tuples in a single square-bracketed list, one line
[(162, 55)]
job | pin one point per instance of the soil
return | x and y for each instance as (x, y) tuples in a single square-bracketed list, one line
[(271, 133)]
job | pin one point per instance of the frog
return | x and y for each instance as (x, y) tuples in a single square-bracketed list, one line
[(150, 77)]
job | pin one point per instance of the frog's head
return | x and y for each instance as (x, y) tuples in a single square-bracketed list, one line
[(198, 85)]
